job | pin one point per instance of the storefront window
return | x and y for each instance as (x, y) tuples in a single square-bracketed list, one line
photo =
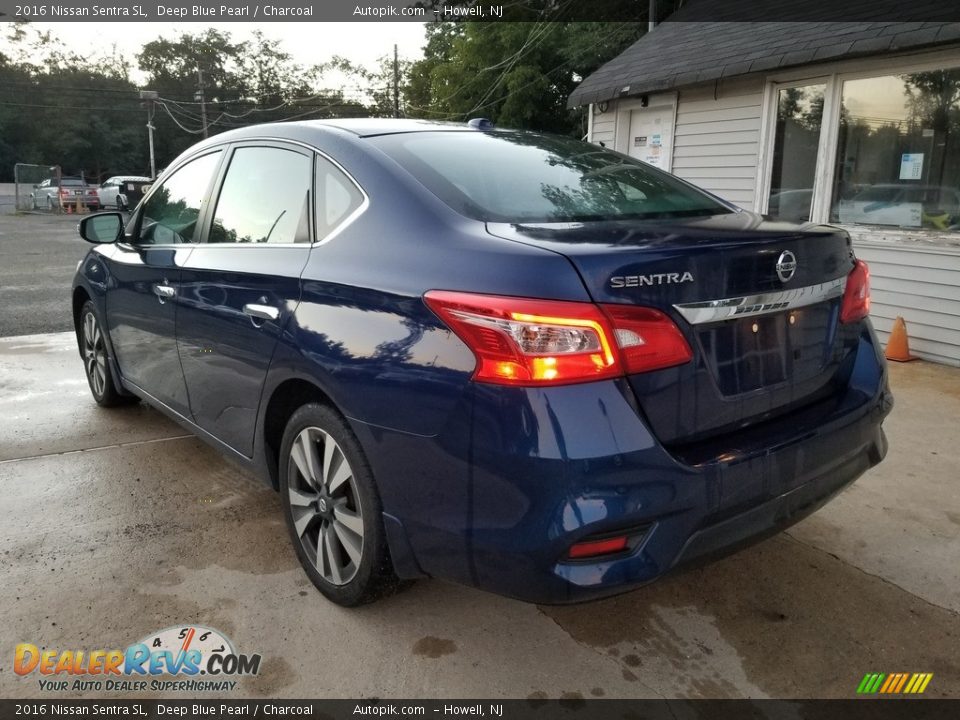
[(898, 158), (799, 115)]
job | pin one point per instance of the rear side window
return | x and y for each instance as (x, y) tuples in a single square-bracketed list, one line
[(265, 198), (337, 197), (526, 177), (170, 215)]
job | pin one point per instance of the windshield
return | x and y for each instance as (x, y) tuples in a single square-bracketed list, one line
[(527, 177)]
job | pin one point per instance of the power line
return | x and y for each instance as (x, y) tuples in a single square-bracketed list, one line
[(71, 107)]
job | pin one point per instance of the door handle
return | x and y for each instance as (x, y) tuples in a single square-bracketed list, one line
[(261, 312), (163, 292)]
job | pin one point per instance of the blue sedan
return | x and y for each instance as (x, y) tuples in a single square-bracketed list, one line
[(516, 361)]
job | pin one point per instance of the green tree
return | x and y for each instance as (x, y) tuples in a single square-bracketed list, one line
[(58, 108), (520, 74), (516, 74)]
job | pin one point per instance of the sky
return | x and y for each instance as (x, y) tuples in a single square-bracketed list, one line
[(309, 43)]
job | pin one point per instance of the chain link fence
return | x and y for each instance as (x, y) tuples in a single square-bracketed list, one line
[(36, 187)]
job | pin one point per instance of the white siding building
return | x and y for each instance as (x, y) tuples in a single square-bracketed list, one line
[(853, 124)]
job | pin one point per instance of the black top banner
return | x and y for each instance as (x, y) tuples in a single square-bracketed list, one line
[(477, 10)]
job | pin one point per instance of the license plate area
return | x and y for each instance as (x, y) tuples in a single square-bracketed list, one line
[(766, 351)]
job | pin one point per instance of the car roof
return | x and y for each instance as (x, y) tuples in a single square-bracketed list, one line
[(315, 131), (351, 127), (128, 177), (368, 127)]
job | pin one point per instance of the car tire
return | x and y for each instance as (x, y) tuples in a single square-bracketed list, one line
[(50, 203), (96, 361), (333, 510), (120, 204)]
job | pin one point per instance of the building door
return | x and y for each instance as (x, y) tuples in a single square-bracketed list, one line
[(651, 135)]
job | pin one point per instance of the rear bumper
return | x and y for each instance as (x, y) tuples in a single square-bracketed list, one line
[(773, 516), (542, 469)]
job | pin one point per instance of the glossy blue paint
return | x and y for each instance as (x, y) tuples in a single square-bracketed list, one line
[(142, 325), (490, 485), (224, 353)]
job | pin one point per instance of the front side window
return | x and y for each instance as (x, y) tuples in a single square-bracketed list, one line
[(265, 198), (170, 215), (796, 138), (898, 155), (526, 177)]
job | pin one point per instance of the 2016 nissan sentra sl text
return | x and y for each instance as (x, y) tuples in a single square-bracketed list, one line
[(517, 361)]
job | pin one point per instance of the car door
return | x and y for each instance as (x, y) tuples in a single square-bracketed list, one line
[(141, 298), (240, 286)]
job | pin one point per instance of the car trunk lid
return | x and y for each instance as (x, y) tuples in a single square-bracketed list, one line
[(765, 341)]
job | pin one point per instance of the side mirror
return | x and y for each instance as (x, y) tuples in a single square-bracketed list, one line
[(101, 228)]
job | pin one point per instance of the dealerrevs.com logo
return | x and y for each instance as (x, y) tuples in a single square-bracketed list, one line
[(202, 657)]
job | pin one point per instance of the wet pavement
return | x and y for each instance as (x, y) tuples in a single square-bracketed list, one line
[(115, 524)]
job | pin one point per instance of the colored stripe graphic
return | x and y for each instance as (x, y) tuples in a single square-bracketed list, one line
[(870, 683), (918, 683), (903, 681), (894, 683)]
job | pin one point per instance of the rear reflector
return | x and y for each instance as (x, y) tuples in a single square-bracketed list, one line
[(595, 548), (522, 341), (856, 296)]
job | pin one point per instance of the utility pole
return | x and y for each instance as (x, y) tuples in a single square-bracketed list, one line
[(396, 83), (652, 20), (203, 101), (150, 98)]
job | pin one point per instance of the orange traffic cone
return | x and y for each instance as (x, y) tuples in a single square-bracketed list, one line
[(898, 347)]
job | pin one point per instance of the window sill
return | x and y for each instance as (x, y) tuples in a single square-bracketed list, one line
[(933, 240)]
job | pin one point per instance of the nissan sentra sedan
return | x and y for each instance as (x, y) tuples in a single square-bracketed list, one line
[(512, 360)]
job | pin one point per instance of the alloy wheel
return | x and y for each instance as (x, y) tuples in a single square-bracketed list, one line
[(94, 355), (325, 505)]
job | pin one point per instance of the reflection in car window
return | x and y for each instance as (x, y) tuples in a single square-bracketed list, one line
[(170, 215), (265, 198), (337, 197), (519, 177)]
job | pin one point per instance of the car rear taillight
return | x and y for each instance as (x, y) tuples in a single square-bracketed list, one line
[(648, 339), (522, 341), (64, 191), (856, 296)]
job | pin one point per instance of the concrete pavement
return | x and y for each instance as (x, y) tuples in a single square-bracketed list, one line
[(114, 524)]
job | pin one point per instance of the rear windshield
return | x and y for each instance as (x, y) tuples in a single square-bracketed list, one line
[(527, 177), (73, 182)]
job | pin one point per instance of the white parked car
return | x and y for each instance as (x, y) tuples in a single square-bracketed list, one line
[(119, 190)]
